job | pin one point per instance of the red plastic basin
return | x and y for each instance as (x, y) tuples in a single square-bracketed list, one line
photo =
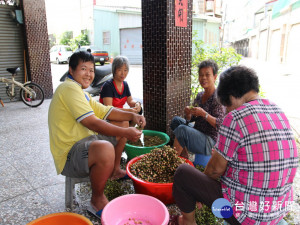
[(161, 191)]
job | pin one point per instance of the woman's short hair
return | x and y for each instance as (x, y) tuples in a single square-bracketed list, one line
[(209, 63), (118, 62), (83, 56), (236, 81)]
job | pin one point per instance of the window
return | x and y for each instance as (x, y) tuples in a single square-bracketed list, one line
[(106, 38)]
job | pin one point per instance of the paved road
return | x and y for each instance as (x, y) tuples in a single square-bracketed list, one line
[(280, 83)]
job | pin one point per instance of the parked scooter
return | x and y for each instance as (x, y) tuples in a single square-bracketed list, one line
[(102, 74)]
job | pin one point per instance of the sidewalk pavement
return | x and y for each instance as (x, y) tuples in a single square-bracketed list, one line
[(281, 84), (29, 185)]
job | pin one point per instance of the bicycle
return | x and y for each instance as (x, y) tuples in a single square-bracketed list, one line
[(30, 93)]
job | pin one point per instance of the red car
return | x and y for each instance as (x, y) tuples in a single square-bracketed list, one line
[(99, 55)]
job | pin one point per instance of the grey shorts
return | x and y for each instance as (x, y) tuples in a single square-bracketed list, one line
[(77, 160)]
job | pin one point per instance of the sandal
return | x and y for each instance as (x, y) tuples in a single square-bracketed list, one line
[(173, 220), (126, 177), (91, 209)]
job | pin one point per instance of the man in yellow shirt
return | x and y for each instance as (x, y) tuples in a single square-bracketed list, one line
[(81, 141)]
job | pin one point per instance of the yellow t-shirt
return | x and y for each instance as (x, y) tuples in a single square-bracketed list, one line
[(69, 105)]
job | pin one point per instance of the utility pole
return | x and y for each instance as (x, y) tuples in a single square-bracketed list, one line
[(223, 24)]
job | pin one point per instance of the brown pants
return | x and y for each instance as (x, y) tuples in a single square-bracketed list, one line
[(191, 186)]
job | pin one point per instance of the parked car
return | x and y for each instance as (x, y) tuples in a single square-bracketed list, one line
[(60, 53), (99, 55)]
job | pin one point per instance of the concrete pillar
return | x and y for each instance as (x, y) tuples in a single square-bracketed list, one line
[(167, 51), (37, 44)]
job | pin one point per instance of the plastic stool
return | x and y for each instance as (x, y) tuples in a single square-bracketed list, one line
[(69, 189), (201, 160)]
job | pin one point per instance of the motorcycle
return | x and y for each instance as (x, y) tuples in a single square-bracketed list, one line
[(102, 74)]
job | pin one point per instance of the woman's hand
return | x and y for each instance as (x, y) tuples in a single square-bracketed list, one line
[(138, 106), (187, 110), (187, 113), (133, 134), (198, 111), (134, 110), (139, 120)]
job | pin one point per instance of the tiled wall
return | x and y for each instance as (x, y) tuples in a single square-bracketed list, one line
[(166, 63), (36, 37)]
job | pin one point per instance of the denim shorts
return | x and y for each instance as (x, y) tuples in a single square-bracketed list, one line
[(194, 140), (77, 160)]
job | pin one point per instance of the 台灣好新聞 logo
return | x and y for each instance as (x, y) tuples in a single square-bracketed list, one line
[(221, 208)]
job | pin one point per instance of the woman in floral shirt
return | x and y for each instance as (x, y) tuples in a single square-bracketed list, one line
[(207, 115)]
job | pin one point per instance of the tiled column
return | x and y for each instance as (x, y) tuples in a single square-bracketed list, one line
[(167, 53), (36, 36)]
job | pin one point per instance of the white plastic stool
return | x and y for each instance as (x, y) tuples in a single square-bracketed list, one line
[(69, 189)]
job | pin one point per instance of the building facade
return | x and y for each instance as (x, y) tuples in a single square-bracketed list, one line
[(267, 30), (118, 29)]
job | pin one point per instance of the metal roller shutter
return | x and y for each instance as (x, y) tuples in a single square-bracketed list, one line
[(11, 48), (131, 45)]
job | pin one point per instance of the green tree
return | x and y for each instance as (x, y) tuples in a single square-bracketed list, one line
[(66, 37), (81, 40), (224, 57)]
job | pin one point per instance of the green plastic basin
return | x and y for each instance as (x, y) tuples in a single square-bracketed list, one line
[(133, 151)]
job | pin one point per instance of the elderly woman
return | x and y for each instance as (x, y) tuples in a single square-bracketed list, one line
[(207, 115), (255, 158), (116, 92)]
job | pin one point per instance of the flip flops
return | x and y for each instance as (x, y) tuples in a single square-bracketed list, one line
[(91, 209), (122, 178)]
